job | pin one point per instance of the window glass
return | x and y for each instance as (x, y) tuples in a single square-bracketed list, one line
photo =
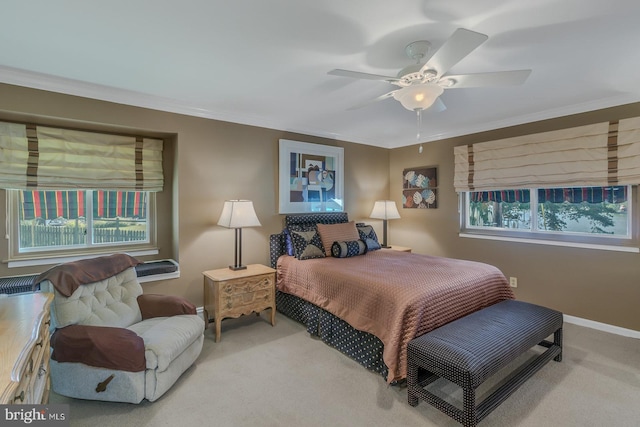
[(119, 216), (584, 210), (59, 220), (601, 211), (500, 209)]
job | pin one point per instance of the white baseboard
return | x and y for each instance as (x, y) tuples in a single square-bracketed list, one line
[(602, 326), (569, 319)]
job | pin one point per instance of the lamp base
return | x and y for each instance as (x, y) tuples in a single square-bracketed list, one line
[(385, 246), (237, 267)]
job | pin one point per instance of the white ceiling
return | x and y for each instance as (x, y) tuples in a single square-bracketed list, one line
[(265, 63)]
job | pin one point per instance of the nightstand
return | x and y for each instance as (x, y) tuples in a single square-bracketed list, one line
[(400, 248), (232, 293)]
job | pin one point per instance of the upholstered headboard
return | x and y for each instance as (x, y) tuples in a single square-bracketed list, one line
[(277, 243)]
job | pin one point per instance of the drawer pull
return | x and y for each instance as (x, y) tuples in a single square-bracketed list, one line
[(39, 344), (19, 397)]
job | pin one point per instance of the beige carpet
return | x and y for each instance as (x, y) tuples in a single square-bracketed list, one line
[(259, 375)]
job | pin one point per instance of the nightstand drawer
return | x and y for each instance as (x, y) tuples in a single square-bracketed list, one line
[(247, 285), (249, 299)]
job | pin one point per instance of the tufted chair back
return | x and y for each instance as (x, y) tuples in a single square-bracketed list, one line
[(109, 302)]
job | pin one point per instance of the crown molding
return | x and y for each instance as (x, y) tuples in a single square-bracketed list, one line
[(47, 82)]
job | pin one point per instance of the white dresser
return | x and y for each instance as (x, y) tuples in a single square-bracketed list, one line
[(24, 348)]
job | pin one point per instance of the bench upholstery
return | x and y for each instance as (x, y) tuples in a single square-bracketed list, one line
[(469, 350)]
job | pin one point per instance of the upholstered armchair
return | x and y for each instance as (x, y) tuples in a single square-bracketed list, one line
[(112, 342)]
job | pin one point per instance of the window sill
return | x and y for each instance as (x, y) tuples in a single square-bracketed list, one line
[(150, 271), (153, 271), (58, 260), (600, 247)]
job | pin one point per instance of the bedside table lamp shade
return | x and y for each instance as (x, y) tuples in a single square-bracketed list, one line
[(238, 214), (384, 210)]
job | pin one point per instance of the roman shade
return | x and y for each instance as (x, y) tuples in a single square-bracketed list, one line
[(599, 155), (46, 158)]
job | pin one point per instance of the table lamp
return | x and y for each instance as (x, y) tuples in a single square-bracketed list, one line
[(238, 214), (384, 210)]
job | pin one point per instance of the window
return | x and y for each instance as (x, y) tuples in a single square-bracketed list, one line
[(67, 222), (553, 213)]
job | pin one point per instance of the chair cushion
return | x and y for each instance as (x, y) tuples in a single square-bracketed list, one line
[(165, 338)]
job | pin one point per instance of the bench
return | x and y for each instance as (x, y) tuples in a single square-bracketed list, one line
[(469, 350)]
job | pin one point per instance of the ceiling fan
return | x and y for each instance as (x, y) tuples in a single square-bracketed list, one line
[(422, 84)]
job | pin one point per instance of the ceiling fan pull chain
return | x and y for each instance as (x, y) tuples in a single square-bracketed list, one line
[(419, 133)]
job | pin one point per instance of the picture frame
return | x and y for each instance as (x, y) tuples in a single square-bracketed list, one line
[(420, 187), (311, 177)]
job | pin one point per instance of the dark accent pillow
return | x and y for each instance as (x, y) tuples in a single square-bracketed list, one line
[(348, 249), (306, 241), (288, 242), (368, 234)]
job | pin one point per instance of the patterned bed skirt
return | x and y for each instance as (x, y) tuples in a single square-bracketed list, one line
[(360, 346)]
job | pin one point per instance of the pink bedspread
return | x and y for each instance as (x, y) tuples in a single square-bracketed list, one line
[(393, 295)]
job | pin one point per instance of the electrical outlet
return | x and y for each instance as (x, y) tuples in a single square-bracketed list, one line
[(513, 282)]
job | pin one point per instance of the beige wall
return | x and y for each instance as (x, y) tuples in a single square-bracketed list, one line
[(592, 284), (212, 161)]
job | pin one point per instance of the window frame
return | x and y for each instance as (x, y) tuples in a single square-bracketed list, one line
[(556, 238), (38, 256)]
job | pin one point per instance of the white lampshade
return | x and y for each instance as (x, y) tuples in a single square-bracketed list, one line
[(385, 209), (238, 214), (418, 96)]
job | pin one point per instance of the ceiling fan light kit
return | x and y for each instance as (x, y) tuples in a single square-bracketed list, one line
[(418, 96), (422, 84)]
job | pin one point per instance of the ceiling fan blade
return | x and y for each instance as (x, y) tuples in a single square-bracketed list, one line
[(461, 43), (371, 101), (359, 75), (498, 78)]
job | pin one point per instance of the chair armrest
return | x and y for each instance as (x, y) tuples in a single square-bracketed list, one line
[(99, 346), (156, 305)]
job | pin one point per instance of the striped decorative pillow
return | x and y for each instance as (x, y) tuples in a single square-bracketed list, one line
[(342, 232), (348, 249)]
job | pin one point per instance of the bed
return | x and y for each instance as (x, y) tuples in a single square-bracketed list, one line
[(369, 305)]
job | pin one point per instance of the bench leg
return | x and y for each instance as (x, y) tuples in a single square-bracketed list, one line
[(412, 382), (469, 408), (557, 340)]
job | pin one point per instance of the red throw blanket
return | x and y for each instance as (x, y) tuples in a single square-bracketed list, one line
[(99, 346), (393, 295), (67, 277)]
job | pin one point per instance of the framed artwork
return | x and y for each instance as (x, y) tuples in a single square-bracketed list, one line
[(420, 188), (311, 177)]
